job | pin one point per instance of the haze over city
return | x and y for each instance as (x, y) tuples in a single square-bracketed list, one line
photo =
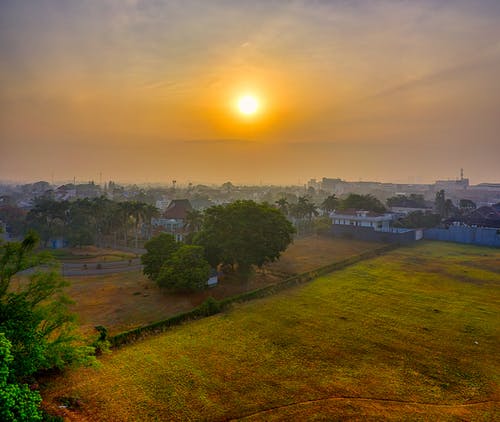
[(149, 91)]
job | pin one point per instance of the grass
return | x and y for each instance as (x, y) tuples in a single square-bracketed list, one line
[(126, 300), (90, 254), (409, 335)]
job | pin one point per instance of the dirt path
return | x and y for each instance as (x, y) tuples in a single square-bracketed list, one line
[(423, 407)]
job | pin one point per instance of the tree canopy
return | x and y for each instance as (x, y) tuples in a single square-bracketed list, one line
[(412, 201), (185, 270), (158, 250), (362, 202), (243, 234)]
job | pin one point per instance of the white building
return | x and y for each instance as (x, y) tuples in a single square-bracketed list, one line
[(360, 218)]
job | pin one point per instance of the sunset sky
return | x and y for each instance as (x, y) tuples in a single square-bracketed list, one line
[(147, 91)]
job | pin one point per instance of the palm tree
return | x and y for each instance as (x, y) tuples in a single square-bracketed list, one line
[(124, 211), (194, 220), (283, 205), (330, 203), (137, 212), (150, 212)]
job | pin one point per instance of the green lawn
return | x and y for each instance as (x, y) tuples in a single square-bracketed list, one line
[(411, 335)]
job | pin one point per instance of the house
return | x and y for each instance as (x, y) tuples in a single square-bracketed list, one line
[(360, 218), (173, 220), (65, 192), (370, 226), (487, 216)]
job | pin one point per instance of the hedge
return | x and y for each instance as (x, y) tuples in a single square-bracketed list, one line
[(211, 306)]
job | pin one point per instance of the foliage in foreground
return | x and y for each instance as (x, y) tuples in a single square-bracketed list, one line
[(17, 401), (36, 328)]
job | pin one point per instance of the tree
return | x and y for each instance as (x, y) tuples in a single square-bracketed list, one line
[(243, 234), (35, 317), (439, 203), (149, 212), (418, 220), (185, 270), (412, 201), (17, 401), (49, 218), (330, 203), (194, 220), (158, 250), (362, 202), (283, 205)]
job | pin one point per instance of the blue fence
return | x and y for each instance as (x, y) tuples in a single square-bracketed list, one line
[(484, 236), (400, 236)]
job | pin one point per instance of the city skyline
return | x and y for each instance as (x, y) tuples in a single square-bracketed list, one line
[(148, 91)]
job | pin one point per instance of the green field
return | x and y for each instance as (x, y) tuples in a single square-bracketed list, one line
[(413, 334)]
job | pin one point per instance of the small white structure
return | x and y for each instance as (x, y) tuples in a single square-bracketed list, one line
[(213, 280), (360, 218)]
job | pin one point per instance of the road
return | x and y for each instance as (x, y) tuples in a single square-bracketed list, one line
[(74, 269)]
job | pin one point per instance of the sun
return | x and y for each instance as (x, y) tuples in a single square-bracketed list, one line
[(248, 105)]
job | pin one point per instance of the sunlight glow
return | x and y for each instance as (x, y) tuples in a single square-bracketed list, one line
[(248, 105)]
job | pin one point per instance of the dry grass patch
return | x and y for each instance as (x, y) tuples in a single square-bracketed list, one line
[(127, 300)]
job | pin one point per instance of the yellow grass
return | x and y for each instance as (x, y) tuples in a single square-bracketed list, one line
[(126, 300), (410, 335)]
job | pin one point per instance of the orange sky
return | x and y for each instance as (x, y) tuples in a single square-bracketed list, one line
[(146, 91)]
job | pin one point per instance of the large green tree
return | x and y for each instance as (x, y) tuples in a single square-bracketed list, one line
[(185, 270), (158, 250), (244, 233)]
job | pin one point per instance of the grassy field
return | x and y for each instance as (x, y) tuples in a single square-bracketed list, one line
[(126, 300), (411, 335)]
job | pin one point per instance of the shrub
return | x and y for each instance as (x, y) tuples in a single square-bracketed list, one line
[(209, 307)]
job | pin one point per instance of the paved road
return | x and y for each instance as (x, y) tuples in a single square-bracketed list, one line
[(73, 269)]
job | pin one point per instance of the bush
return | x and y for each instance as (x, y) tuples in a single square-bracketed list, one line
[(209, 307)]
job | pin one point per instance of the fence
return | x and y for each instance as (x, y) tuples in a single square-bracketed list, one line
[(212, 306), (484, 236), (371, 235)]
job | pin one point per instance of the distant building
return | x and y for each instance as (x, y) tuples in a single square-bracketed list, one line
[(65, 192), (404, 211), (487, 216), (360, 218), (173, 220), (371, 226), (162, 204)]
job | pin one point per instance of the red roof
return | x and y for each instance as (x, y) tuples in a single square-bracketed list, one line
[(178, 209)]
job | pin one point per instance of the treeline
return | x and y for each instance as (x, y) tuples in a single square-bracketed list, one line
[(96, 221), (305, 208)]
